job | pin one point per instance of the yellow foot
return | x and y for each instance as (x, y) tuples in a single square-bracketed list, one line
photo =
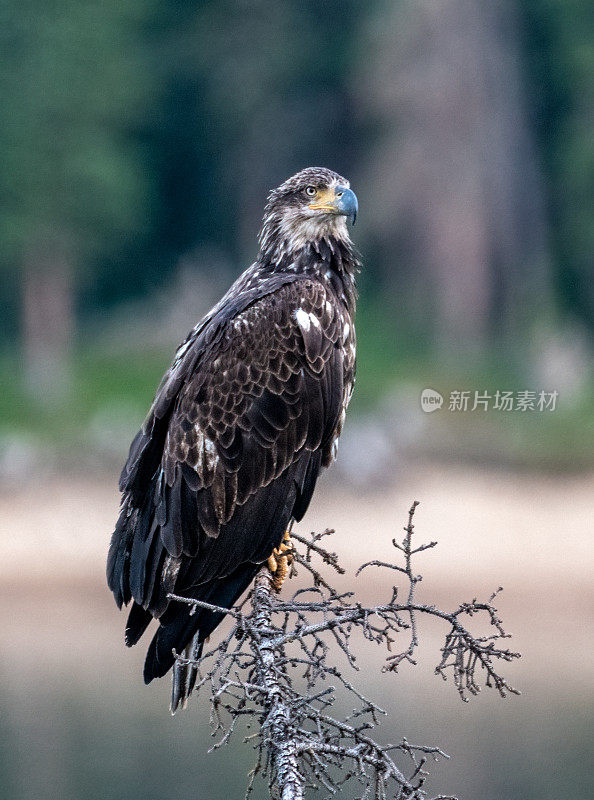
[(280, 561)]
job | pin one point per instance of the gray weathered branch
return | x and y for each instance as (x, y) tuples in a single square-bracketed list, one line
[(269, 670)]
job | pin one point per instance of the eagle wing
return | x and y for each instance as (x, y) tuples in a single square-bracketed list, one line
[(231, 449)]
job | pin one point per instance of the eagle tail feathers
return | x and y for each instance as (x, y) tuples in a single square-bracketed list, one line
[(185, 674), (182, 629)]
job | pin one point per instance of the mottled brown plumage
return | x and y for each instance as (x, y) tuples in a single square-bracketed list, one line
[(242, 422)]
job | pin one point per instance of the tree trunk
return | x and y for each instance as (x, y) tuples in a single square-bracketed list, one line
[(458, 208), (285, 771), (47, 324)]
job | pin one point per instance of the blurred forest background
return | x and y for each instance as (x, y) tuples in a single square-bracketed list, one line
[(138, 141)]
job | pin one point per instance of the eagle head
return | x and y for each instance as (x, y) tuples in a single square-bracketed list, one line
[(314, 204)]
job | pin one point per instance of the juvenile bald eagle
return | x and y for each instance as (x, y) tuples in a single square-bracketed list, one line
[(244, 419)]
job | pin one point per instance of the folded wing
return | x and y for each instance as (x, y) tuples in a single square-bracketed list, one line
[(230, 452)]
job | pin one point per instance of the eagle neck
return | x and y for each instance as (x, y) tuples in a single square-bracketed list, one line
[(331, 260), (337, 264)]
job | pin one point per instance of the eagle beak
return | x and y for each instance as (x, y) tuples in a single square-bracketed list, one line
[(347, 203), (341, 201)]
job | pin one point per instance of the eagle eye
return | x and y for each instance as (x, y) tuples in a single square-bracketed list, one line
[(310, 191)]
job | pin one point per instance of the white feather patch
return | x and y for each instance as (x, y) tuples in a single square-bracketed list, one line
[(303, 319)]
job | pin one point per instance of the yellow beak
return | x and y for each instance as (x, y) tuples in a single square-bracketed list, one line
[(339, 200)]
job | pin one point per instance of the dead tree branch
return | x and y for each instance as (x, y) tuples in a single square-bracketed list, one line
[(270, 668)]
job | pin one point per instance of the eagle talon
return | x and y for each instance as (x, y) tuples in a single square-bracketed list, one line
[(272, 564), (280, 560)]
